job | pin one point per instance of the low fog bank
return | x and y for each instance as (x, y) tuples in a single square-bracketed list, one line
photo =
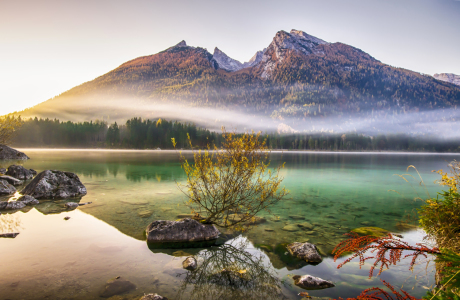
[(440, 123)]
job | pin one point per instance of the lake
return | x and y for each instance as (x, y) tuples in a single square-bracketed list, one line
[(56, 259)]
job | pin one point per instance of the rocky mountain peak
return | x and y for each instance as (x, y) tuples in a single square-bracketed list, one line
[(225, 62), (283, 42), (448, 77), (181, 44)]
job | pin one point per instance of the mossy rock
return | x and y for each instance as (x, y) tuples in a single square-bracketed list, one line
[(371, 231)]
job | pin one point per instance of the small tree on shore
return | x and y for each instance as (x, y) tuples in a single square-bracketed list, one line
[(8, 125), (230, 185)]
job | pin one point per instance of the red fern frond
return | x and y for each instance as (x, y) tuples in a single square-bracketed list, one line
[(380, 294), (388, 251)]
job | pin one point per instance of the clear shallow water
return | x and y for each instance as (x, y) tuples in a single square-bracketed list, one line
[(336, 192)]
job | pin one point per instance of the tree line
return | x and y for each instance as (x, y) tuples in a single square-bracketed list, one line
[(138, 133)]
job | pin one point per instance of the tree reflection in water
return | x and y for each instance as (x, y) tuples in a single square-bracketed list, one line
[(230, 271)]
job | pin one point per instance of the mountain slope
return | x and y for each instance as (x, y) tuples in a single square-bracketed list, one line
[(298, 78)]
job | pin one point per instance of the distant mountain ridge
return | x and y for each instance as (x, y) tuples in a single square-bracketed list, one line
[(448, 77), (298, 79)]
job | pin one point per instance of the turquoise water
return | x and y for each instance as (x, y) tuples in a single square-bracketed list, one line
[(336, 192)]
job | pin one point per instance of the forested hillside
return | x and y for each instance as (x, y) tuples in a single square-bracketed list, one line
[(138, 133)]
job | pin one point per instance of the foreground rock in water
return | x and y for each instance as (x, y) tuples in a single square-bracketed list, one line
[(6, 188), (183, 231), (28, 200), (9, 235), (305, 251), (7, 153), (189, 263), (309, 282), (11, 180), (71, 205), (117, 286), (55, 184), (153, 297), (20, 172)]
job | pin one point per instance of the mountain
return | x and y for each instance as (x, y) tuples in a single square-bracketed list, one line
[(448, 77), (299, 80)]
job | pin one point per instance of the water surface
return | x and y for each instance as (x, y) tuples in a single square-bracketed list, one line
[(336, 192)]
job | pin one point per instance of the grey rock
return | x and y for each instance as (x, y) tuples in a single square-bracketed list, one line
[(71, 205), (9, 235), (11, 180), (117, 286), (305, 251), (3, 204), (19, 172), (2, 170), (55, 184), (153, 297), (189, 263), (185, 230), (67, 218), (7, 153), (28, 200), (33, 172), (6, 188), (15, 205), (309, 282)]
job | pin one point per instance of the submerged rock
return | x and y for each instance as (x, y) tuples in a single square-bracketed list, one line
[(28, 200), (55, 184), (291, 228), (182, 231), (306, 226), (305, 251), (6, 188), (7, 153), (153, 297), (117, 286), (189, 263), (309, 282), (371, 231), (20, 172), (11, 180), (297, 217)]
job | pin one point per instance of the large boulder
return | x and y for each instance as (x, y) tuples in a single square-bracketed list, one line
[(11, 180), (309, 282), (186, 231), (55, 185), (20, 172), (7, 153), (305, 251), (6, 188)]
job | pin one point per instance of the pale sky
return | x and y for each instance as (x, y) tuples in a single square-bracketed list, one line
[(50, 46)]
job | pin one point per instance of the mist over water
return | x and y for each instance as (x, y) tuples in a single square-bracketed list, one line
[(439, 123)]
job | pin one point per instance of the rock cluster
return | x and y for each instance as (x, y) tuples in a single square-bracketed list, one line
[(20, 203)]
